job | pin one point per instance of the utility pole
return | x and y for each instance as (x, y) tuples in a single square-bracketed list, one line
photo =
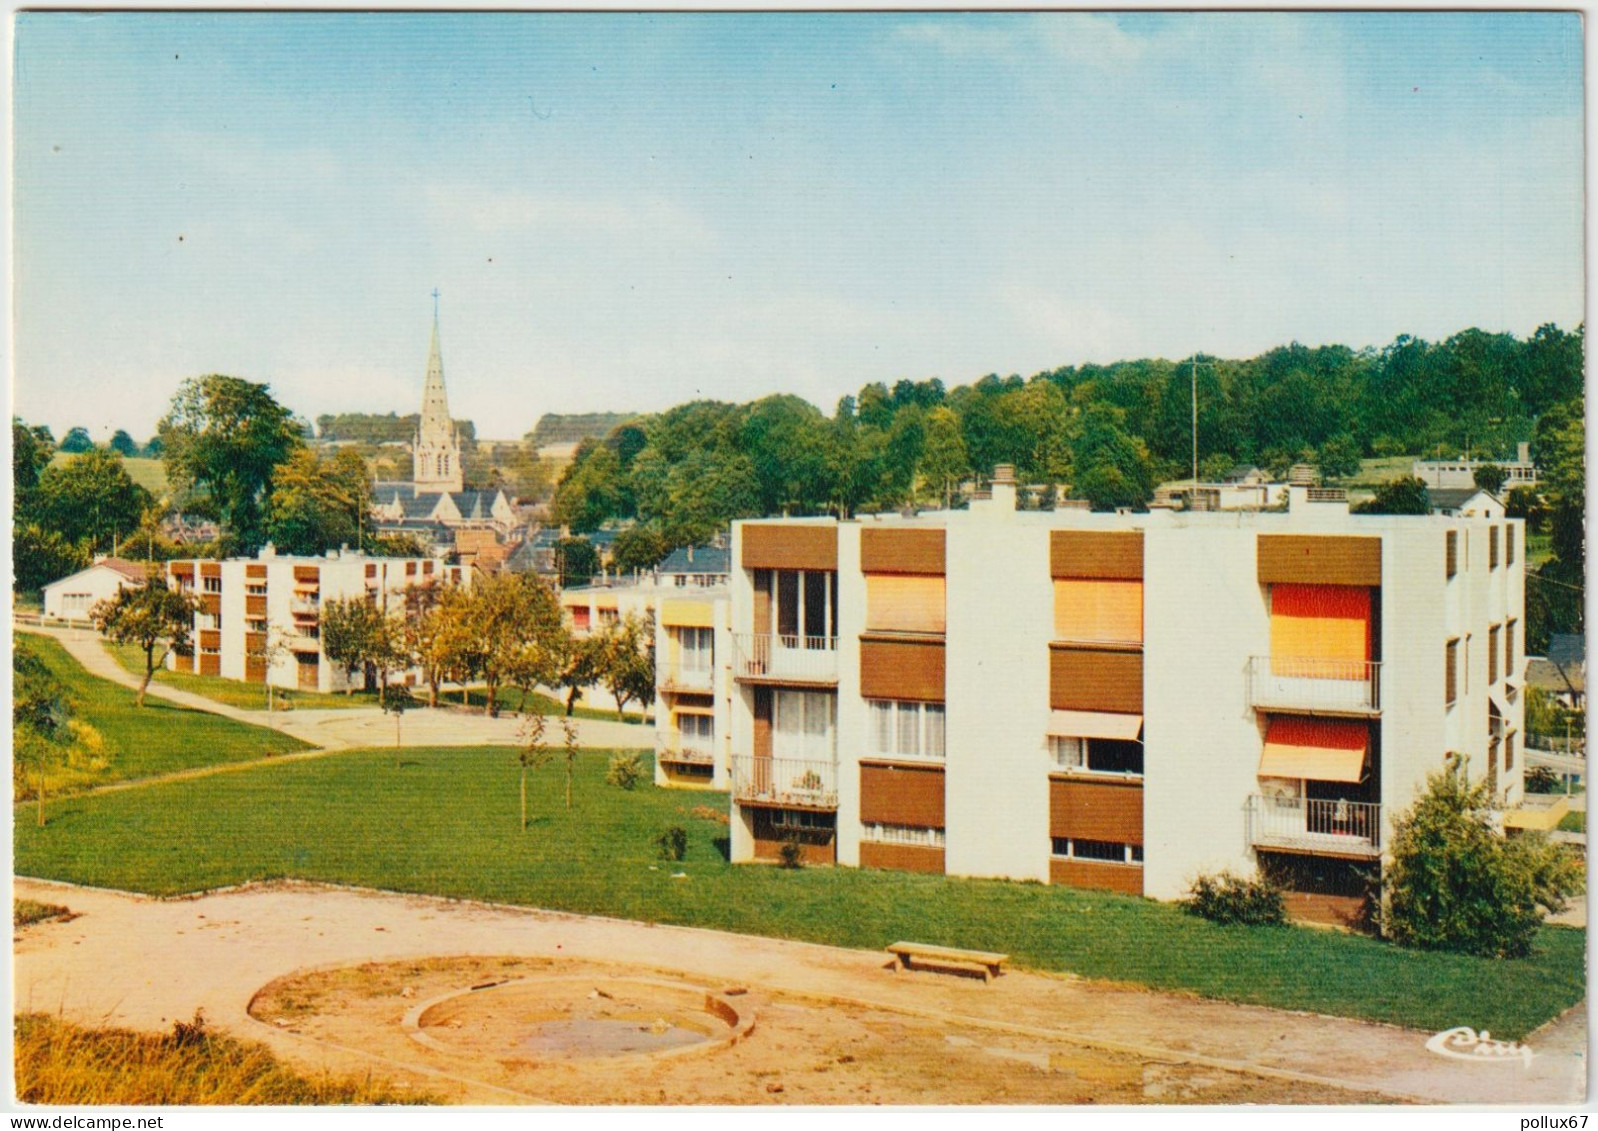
[(1194, 371)]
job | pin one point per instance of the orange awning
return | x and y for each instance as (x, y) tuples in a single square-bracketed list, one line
[(1317, 749), (1094, 724)]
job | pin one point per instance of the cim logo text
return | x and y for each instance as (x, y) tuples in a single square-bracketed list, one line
[(1464, 1043)]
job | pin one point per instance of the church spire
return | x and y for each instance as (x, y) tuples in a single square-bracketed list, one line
[(436, 450)]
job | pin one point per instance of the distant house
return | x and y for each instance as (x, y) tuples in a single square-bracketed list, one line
[(1460, 473), (73, 596), (698, 566), (1465, 502), (1563, 672)]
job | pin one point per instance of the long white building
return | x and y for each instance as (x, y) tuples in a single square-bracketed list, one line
[(1119, 701)]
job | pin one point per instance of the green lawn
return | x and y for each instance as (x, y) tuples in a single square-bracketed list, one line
[(1375, 472), (1574, 821), (446, 823), (510, 699), (235, 692), (147, 473), (158, 738)]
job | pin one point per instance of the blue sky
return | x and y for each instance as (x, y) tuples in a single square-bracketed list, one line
[(629, 211)]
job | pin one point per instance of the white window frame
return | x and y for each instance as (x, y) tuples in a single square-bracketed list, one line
[(903, 730), (1072, 755), (804, 725), (915, 835)]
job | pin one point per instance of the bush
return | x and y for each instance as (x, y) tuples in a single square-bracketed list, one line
[(791, 854), (1226, 898), (673, 843), (1540, 779), (1456, 884), (626, 771)]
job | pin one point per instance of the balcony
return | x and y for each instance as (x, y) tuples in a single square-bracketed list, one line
[(1314, 686), (789, 783), (1326, 828), (303, 606), (679, 678), (676, 753), (763, 658)]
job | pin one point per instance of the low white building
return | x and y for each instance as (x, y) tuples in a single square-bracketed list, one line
[(1119, 701), (1459, 473), (71, 598)]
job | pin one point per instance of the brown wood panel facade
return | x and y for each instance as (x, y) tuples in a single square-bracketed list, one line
[(1097, 874), (1111, 555), (1331, 910), (795, 546), (901, 795), (1096, 810), (1319, 559), (184, 570), (211, 603), (255, 572), (901, 668), (210, 664), (901, 857), (211, 569), (1095, 679), (902, 551), (254, 670), (254, 605), (307, 573), (816, 846), (210, 638), (763, 714), (182, 663)]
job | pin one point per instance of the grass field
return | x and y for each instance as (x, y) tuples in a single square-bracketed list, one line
[(235, 692), (1374, 472), (58, 1062), (446, 823), (510, 700), (1574, 821), (147, 473), (158, 738)]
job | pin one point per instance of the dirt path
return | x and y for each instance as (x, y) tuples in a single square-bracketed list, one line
[(343, 728), (136, 961)]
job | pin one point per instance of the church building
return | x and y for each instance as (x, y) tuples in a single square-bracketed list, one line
[(436, 503)]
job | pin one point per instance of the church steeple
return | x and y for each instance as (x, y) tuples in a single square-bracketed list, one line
[(436, 452)]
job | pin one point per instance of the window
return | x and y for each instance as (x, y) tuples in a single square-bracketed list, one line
[(255, 589), (806, 603), (1097, 755), (1509, 650), (802, 725), (803, 820), (903, 834), (213, 584), (1509, 751), (901, 729), (1509, 545), (1451, 673), (1104, 851), (608, 617), (904, 604), (698, 731), (1492, 655), (1452, 555), (1098, 611), (1492, 547), (696, 648)]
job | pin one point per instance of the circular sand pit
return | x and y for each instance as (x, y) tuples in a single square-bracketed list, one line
[(577, 1018)]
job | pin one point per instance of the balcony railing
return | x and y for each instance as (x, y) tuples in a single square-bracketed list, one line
[(675, 751), (1343, 828), (789, 782), (305, 606), (786, 659), (679, 678), (1302, 683)]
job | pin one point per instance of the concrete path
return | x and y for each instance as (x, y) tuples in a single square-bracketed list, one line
[(140, 962), (342, 728)]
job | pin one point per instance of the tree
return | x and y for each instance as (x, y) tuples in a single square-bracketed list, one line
[(40, 556), (625, 661), (1454, 883), (224, 437), (592, 490), (396, 702), (123, 444), (89, 497), (637, 548), (359, 636), (533, 755), (943, 455), (30, 455), (319, 503), (76, 441), (577, 561), (1112, 468), (1339, 456), (579, 667), (1405, 495), (568, 730), (152, 616), (1524, 502), (40, 731), (513, 623), (1490, 477)]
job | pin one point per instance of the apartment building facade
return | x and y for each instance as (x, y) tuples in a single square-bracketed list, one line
[(694, 689), (1119, 701), (259, 619)]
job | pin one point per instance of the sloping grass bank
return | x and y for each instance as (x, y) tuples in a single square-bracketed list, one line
[(446, 823)]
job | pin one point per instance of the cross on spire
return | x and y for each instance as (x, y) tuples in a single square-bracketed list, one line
[(435, 304)]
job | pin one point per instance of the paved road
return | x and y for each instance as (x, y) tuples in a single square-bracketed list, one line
[(131, 960), (341, 728)]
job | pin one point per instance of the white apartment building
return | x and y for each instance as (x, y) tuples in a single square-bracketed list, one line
[(694, 688), (259, 618), (1119, 701), (1459, 473)]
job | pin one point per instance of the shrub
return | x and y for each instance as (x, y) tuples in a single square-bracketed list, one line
[(1226, 898), (1540, 779), (791, 854), (673, 843), (1456, 884), (626, 771)]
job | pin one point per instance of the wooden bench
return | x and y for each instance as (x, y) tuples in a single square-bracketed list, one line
[(990, 964)]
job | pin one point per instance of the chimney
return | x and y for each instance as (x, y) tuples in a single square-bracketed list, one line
[(1523, 452), (1003, 487)]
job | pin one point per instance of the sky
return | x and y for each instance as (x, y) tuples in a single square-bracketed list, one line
[(628, 211)]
